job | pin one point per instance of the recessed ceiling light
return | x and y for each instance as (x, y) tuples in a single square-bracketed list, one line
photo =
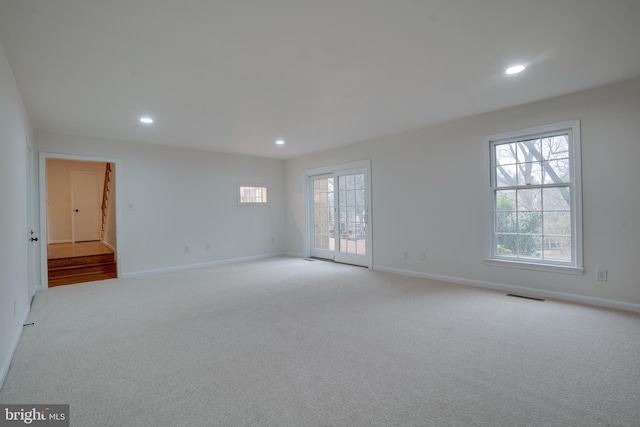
[(146, 120), (279, 142), (515, 69)]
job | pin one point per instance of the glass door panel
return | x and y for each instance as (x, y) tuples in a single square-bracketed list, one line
[(323, 217), (353, 214)]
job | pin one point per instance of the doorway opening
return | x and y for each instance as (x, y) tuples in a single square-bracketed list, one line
[(78, 219), (339, 213)]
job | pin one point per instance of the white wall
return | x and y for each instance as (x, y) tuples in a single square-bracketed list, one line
[(184, 198), (15, 131), (59, 209), (443, 164)]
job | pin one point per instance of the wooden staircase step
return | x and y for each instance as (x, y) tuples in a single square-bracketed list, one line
[(81, 278), (81, 260), (75, 270)]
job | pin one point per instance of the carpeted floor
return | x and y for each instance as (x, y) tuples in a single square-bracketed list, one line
[(287, 342)]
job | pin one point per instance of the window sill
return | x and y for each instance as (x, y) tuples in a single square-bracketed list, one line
[(552, 268)]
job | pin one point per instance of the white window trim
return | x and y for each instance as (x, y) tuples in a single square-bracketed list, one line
[(252, 184), (576, 202)]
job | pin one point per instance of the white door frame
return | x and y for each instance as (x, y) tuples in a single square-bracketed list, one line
[(308, 201), (42, 184), (31, 224)]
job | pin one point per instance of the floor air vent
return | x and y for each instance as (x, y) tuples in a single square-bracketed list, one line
[(525, 297)]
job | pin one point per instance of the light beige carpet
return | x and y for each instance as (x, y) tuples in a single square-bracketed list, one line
[(287, 342)]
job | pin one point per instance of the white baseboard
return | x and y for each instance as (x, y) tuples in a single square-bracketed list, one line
[(200, 265), (516, 289), (108, 245), (294, 255), (4, 369)]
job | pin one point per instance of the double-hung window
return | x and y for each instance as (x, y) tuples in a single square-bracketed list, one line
[(535, 198)]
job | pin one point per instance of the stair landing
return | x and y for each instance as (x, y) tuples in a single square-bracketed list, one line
[(70, 263)]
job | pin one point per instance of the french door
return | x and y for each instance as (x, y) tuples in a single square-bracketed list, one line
[(340, 217)]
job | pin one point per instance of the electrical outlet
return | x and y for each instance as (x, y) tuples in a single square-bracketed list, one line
[(208, 246), (130, 206), (186, 248), (406, 254), (273, 240), (423, 256), (602, 275)]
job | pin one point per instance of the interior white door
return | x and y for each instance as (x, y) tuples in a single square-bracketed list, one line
[(340, 217), (85, 206)]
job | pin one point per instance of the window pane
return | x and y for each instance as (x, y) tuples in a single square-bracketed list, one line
[(530, 222), (557, 171), (529, 199), (506, 200), (506, 222), (351, 198), (557, 248), (323, 228), (555, 147), (506, 176), (528, 151), (557, 223), (529, 174), (557, 198), (351, 184), (505, 154), (507, 245), (530, 246)]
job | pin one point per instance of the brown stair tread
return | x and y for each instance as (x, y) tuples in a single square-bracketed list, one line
[(99, 269), (82, 260), (77, 266), (82, 278)]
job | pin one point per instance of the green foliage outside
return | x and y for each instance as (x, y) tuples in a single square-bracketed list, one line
[(521, 242)]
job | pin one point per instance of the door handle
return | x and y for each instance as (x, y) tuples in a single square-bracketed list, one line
[(34, 239)]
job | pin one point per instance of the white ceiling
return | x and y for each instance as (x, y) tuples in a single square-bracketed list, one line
[(235, 75)]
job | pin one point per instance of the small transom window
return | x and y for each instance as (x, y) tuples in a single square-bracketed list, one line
[(252, 195)]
